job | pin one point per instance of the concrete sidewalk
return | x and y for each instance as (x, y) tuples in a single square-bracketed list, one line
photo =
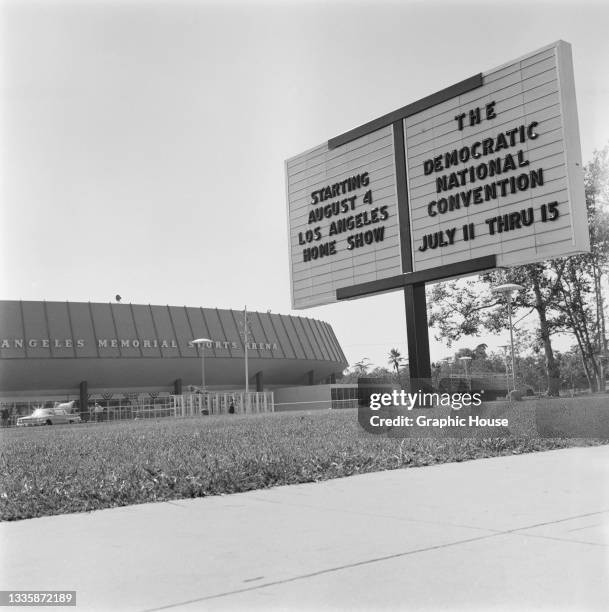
[(512, 533)]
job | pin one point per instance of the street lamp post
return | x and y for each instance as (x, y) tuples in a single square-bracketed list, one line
[(507, 291), (449, 364), (601, 368), (245, 342), (201, 342), (465, 361), (505, 347)]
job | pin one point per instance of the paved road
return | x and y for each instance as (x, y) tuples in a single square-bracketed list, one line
[(512, 533)]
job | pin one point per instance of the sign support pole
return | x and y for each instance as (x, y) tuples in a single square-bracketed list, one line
[(417, 332), (414, 295)]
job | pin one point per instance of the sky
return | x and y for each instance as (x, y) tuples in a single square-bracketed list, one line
[(142, 143)]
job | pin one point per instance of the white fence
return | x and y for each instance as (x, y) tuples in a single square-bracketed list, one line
[(143, 406), (223, 403)]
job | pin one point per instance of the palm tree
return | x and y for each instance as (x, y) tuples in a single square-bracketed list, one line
[(395, 360)]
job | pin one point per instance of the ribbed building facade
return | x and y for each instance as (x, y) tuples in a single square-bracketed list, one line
[(57, 347)]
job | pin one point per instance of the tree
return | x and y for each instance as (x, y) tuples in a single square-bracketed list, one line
[(396, 360), (361, 367), (381, 373), (533, 371), (464, 308), (542, 285), (565, 293), (479, 352), (572, 374), (582, 304), (597, 195), (436, 374)]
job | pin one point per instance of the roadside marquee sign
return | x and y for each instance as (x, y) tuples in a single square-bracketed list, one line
[(488, 168)]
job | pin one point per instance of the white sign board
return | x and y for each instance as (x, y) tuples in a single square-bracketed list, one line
[(343, 217), (493, 171), (498, 170)]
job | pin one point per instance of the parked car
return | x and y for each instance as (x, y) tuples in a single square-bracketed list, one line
[(48, 416)]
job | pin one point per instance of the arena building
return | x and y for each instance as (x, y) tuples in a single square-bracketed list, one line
[(79, 349)]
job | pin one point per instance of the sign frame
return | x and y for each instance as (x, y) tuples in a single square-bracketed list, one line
[(413, 280)]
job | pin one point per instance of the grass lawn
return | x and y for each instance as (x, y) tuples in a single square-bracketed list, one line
[(63, 469)]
